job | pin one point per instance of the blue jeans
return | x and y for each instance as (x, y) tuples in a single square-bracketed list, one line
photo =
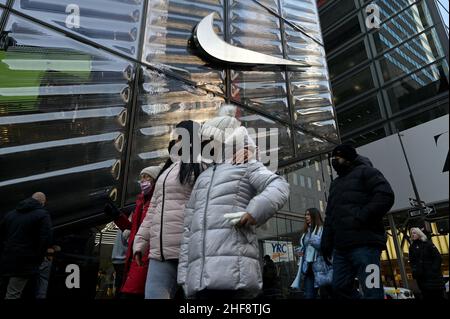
[(352, 264), (310, 290), (161, 279)]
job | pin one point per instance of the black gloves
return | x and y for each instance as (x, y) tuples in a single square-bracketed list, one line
[(112, 211)]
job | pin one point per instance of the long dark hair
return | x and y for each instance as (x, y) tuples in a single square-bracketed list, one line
[(316, 219), (189, 172)]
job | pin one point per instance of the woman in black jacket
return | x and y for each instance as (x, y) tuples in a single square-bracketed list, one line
[(425, 261)]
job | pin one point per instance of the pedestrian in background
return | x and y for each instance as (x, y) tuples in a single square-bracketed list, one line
[(314, 271), (425, 261), (25, 235), (135, 270), (118, 258), (354, 235)]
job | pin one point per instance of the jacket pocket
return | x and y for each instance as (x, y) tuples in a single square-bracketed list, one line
[(246, 236)]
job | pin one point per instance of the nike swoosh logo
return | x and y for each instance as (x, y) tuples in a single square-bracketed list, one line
[(207, 40)]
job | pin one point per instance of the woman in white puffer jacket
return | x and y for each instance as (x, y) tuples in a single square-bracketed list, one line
[(220, 253)]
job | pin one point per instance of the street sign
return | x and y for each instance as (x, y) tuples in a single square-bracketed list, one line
[(415, 203), (425, 211)]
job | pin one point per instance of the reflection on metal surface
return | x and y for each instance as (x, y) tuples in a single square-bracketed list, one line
[(108, 22), (168, 31), (125, 94), (113, 194), (60, 143), (123, 117), (115, 170), (72, 170), (119, 142), (128, 73), (59, 116), (64, 104), (207, 40)]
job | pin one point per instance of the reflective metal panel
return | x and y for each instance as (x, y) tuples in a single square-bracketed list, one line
[(310, 90), (63, 118), (163, 103), (253, 27), (168, 38), (112, 23)]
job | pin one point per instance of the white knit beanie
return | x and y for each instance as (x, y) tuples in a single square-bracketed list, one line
[(152, 171), (215, 128), (240, 139)]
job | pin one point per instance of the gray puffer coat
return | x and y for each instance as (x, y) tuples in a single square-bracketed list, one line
[(215, 255)]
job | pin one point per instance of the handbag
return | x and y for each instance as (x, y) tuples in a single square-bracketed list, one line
[(323, 273)]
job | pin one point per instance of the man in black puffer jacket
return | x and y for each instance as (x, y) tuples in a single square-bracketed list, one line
[(25, 235), (353, 233)]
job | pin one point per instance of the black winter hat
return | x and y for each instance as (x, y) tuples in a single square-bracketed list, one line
[(345, 151)]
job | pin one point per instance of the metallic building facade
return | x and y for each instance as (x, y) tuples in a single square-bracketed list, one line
[(91, 90)]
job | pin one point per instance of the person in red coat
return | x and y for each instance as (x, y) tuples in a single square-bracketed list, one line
[(135, 271)]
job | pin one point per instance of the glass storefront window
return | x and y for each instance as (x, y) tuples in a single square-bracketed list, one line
[(357, 116), (168, 42), (335, 12), (353, 86), (421, 118), (343, 34), (115, 24), (412, 55), (420, 86), (388, 7), (63, 117), (346, 60), (366, 137), (407, 24)]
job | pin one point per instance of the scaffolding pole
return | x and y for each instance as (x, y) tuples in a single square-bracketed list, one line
[(398, 251)]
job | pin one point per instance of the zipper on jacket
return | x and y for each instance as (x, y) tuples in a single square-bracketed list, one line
[(162, 213), (204, 224)]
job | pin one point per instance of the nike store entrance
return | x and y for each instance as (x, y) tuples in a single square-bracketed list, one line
[(90, 92)]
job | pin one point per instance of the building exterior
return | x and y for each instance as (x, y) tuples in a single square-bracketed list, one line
[(389, 78), (395, 79), (91, 90)]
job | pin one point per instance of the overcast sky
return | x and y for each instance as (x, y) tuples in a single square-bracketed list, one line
[(444, 14)]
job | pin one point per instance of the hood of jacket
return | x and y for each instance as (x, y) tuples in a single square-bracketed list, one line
[(28, 205), (362, 160)]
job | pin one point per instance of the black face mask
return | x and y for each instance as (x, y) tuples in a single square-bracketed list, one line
[(338, 167)]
